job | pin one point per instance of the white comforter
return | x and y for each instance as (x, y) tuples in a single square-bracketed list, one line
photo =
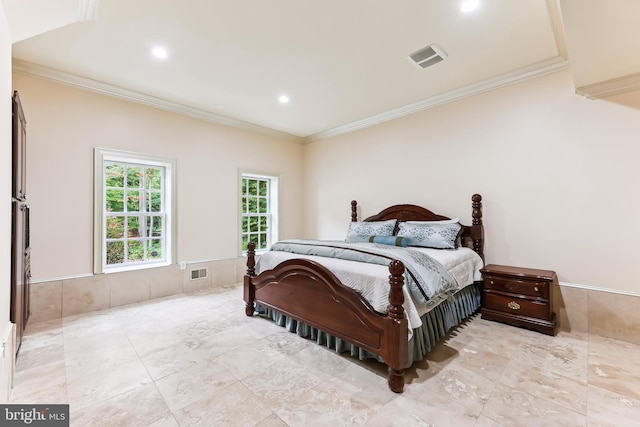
[(372, 280)]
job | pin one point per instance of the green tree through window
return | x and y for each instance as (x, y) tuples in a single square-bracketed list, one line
[(256, 211), (134, 213), (134, 209)]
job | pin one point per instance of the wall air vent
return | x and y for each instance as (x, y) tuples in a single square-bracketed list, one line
[(427, 56), (199, 274)]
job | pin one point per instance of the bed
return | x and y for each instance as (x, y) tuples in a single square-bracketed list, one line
[(305, 293)]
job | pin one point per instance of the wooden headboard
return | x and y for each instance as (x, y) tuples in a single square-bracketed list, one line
[(407, 212)]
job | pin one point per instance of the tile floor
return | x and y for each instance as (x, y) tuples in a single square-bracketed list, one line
[(197, 360)]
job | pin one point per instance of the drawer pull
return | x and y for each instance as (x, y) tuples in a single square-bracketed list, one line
[(492, 282), (513, 305)]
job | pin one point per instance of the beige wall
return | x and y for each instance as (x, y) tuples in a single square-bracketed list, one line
[(558, 174), (64, 124), (6, 369)]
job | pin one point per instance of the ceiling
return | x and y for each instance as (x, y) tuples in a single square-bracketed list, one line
[(343, 64)]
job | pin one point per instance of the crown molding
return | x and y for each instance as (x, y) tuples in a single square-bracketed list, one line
[(536, 70), (526, 73), (611, 87), (40, 71)]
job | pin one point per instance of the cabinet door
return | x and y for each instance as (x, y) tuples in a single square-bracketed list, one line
[(17, 312), (19, 150)]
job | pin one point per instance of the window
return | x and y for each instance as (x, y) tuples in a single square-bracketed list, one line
[(259, 210), (134, 211)]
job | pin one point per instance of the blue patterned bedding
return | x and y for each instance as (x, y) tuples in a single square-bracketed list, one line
[(427, 280)]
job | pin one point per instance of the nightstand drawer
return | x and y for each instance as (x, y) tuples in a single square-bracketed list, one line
[(521, 287), (516, 306)]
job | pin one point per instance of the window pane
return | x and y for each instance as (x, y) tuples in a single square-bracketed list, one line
[(133, 226), (133, 201), (115, 253), (263, 188), (253, 187), (115, 201), (154, 250), (154, 179), (244, 204), (115, 227), (154, 202), (253, 205), (253, 224), (245, 224), (133, 177), (245, 241), (135, 251), (263, 223), (263, 205), (253, 237), (114, 176), (154, 226), (263, 241)]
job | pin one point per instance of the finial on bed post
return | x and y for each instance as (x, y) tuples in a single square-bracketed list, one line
[(354, 211), (249, 289), (476, 215), (251, 259), (396, 312), (476, 204)]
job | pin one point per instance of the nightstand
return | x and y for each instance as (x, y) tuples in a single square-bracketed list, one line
[(519, 296)]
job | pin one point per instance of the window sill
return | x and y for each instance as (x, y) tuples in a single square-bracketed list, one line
[(135, 267)]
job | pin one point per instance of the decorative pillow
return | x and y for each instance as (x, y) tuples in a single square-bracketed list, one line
[(431, 234), (389, 240), (361, 231)]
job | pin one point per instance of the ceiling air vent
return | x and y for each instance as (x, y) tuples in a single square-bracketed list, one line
[(428, 56)]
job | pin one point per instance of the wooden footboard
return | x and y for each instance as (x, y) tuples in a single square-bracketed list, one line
[(307, 292)]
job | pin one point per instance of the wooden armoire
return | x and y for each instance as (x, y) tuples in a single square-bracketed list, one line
[(20, 245)]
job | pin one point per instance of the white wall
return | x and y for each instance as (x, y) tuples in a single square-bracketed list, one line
[(558, 174), (6, 370), (64, 125)]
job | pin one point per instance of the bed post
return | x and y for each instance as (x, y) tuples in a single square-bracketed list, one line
[(354, 211), (477, 229), (398, 356), (249, 290)]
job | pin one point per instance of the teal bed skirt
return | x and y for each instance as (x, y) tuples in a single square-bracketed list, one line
[(435, 325)]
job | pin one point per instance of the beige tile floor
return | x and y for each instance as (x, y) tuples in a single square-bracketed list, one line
[(197, 360)]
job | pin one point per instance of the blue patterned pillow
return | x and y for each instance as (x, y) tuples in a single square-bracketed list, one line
[(438, 235), (390, 240), (361, 231)]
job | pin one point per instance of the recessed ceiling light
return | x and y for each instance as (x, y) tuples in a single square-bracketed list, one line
[(160, 52), (469, 5), (283, 99)]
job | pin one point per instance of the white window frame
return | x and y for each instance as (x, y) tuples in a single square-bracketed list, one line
[(273, 202), (104, 156)]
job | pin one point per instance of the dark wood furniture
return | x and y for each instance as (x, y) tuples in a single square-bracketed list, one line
[(20, 244), (308, 292), (519, 296)]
